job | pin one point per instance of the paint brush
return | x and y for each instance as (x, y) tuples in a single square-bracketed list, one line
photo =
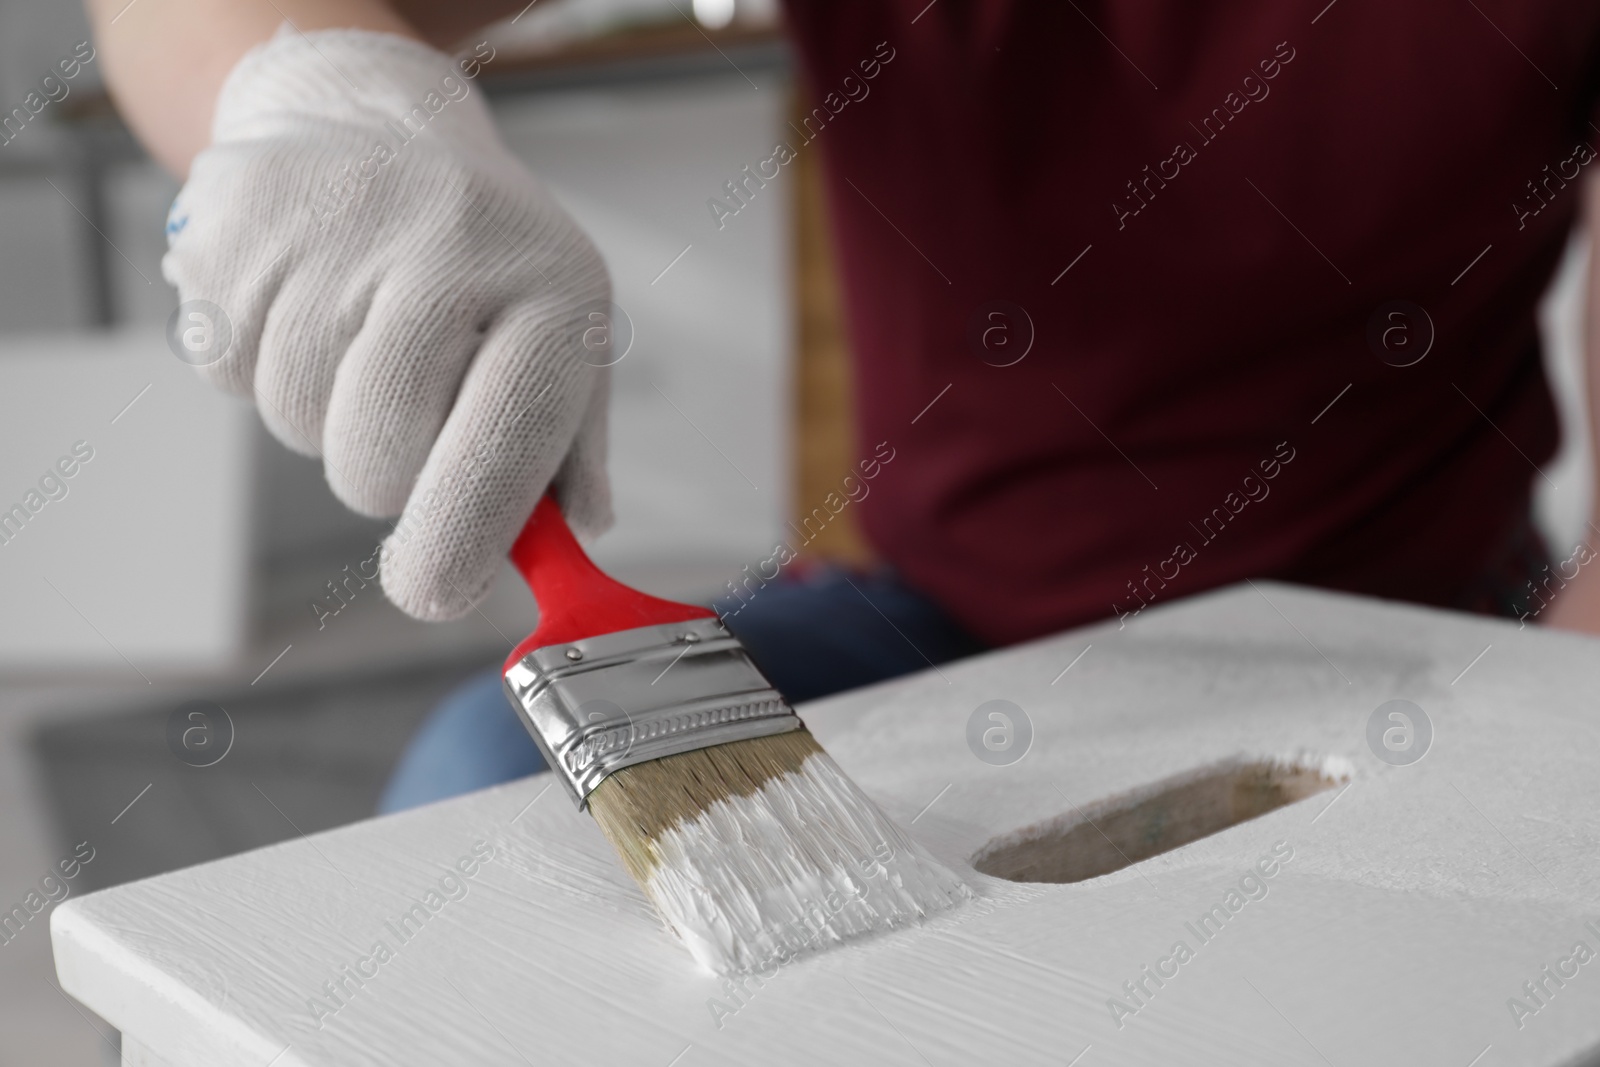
[(751, 842)]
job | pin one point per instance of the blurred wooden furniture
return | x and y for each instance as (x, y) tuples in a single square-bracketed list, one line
[(825, 445)]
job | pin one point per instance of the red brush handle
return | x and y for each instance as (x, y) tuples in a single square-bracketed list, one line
[(576, 598)]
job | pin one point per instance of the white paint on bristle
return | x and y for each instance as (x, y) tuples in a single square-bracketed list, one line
[(1328, 766), (804, 863)]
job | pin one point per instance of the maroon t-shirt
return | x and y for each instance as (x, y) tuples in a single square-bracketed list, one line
[(1213, 221)]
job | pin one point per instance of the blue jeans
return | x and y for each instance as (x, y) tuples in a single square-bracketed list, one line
[(823, 633)]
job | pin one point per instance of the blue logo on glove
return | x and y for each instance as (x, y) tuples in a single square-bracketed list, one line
[(177, 219)]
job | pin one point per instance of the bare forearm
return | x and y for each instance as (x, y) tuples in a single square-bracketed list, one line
[(165, 60)]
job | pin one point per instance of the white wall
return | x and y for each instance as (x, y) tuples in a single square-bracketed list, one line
[(142, 564), (712, 335)]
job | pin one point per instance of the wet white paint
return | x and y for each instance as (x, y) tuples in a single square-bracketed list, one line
[(816, 863), (1417, 903)]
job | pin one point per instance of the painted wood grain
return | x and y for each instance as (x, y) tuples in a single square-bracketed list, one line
[(1400, 917)]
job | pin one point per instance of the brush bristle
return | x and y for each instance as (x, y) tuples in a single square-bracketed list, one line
[(758, 851)]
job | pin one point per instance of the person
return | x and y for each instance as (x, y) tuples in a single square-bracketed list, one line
[(1144, 299)]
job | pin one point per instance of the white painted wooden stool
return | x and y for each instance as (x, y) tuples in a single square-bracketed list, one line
[(1441, 911)]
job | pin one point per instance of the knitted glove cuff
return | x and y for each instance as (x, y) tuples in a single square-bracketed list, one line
[(359, 78)]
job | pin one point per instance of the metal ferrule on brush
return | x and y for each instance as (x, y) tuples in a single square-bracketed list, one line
[(600, 704)]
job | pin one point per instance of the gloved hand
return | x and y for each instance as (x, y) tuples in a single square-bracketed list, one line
[(406, 301)]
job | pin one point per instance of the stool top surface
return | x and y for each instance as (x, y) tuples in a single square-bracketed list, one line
[(1405, 917)]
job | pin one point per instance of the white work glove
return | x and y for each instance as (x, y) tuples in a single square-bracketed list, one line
[(418, 313)]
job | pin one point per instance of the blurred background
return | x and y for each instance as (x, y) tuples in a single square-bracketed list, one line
[(179, 570), (182, 562)]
